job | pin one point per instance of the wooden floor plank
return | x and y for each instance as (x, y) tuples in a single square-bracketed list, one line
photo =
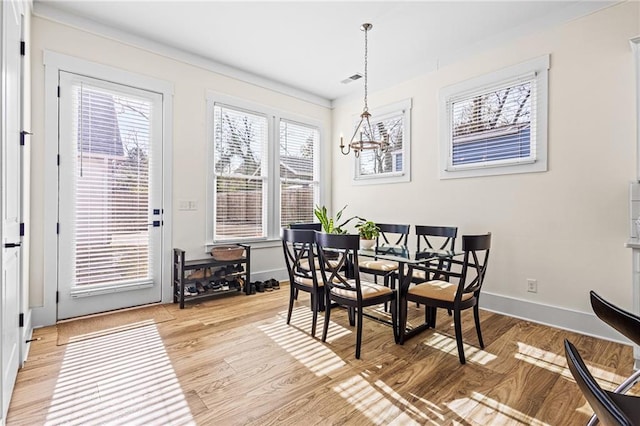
[(234, 360)]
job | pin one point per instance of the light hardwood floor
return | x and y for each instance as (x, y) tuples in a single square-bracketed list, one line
[(234, 361)]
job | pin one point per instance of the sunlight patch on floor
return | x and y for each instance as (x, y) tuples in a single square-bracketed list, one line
[(558, 364), (302, 317), (121, 378), (310, 352), (408, 407), (372, 403), (448, 345), (484, 410)]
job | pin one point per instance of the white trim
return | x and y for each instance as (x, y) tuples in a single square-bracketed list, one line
[(52, 13), (580, 322), (538, 65), (53, 64), (635, 47), (379, 114)]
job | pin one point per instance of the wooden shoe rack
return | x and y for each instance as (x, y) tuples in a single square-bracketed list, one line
[(212, 270)]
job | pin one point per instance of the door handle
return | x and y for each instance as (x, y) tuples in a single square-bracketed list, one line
[(11, 245)]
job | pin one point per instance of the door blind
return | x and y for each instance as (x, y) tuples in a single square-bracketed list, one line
[(111, 174)]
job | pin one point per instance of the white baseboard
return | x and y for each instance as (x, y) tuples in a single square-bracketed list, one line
[(278, 274), (554, 316)]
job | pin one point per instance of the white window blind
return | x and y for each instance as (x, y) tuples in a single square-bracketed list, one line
[(494, 125), (298, 176), (111, 173), (240, 170)]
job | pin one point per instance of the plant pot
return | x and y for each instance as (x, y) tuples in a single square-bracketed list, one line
[(367, 244)]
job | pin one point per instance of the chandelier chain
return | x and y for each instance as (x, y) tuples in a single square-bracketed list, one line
[(366, 56)]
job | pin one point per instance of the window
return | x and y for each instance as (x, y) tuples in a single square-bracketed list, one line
[(298, 178), (496, 124), (240, 141), (263, 170), (392, 165)]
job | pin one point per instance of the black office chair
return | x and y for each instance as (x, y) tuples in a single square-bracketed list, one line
[(625, 323), (442, 293), (339, 253), (390, 234), (298, 246), (611, 408)]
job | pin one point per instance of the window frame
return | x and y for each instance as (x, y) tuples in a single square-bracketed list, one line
[(539, 69), (271, 199), (398, 108)]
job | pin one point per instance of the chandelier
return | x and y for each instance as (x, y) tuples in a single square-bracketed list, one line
[(363, 138)]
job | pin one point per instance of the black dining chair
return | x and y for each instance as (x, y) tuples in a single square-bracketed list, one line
[(434, 238), (448, 294), (314, 226), (610, 408), (390, 234), (625, 323), (344, 285), (298, 246)]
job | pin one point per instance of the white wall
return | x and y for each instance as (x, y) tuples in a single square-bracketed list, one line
[(565, 227), (189, 124)]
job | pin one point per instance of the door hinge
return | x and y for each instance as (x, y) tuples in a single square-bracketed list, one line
[(23, 133), (58, 91), (58, 228), (58, 159), (23, 48), (21, 320), (57, 296), (22, 229)]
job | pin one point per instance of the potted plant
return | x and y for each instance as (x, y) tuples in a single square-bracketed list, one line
[(368, 231), (330, 225)]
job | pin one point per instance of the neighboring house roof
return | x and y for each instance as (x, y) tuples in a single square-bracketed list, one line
[(298, 167), (507, 142), (98, 130)]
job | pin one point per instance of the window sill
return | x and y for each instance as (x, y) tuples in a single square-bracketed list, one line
[(255, 244)]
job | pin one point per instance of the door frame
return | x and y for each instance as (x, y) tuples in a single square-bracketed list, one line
[(54, 63)]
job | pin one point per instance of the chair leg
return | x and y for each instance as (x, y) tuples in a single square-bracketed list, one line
[(386, 284), (295, 294), (430, 313), (327, 317), (458, 327), (476, 317), (352, 316), (291, 298), (402, 321), (321, 304), (394, 319), (315, 314), (359, 333)]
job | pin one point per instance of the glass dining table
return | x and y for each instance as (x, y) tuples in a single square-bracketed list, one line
[(407, 259)]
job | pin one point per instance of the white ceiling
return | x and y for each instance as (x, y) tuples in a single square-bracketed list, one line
[(313, 46)]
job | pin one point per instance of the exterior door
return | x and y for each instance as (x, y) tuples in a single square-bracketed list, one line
[(110, 196), (11, 182)]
